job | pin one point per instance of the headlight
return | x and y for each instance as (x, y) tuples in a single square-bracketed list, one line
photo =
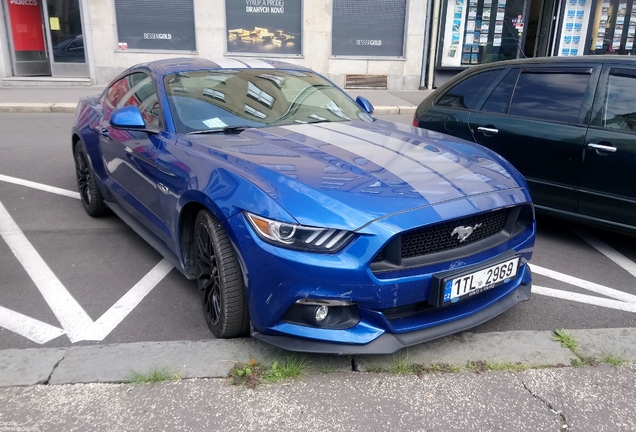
[(298, 236)]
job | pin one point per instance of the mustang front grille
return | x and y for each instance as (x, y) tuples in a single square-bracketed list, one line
[(440, 237), (473, 234)]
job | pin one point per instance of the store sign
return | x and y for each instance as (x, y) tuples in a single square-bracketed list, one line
[(264, 26), (368, 28), (167, 25), (26, 25)]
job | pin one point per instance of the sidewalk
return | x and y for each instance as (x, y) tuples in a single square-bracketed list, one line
[(504, 395), (64, 99), (565, 399)]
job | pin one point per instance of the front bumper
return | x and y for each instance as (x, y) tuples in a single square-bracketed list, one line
[(277, 278), (389, 343)]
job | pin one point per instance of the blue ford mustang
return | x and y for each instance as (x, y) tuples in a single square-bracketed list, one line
[(301, 217)]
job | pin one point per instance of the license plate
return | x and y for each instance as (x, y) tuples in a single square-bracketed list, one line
[(457, 288)]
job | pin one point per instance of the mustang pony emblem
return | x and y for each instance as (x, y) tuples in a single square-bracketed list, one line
[(464, 232)]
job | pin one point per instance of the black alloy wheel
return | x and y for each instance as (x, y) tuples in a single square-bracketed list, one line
[(219, 278), (90, 195)]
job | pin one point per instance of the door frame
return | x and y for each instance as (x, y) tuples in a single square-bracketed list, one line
[(60, 69)]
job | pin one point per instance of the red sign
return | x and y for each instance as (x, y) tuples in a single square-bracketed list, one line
[(26, 25)]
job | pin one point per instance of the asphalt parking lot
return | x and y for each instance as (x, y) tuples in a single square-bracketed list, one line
[(66, 278)]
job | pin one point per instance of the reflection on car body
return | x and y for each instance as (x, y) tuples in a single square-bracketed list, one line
[(301, 217)]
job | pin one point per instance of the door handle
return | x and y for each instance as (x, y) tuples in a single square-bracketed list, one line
[(601, 147), (101, 130), (487, 130)]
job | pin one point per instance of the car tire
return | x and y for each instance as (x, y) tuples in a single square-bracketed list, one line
[(90, 195), (219, 279)]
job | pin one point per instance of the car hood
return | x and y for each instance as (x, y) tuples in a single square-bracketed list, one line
[(348, 174)]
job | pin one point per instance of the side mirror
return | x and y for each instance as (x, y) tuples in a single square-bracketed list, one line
[(365, 104), (128, 117)]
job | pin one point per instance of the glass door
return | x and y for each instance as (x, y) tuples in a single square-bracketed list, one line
[(63, 24), (28, 45)]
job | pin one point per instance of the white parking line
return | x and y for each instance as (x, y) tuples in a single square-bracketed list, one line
[(116, 314), (75, 321), (66, 309), (28, 327), (611, 253), (40, 186), (581, 283), (582, 298)]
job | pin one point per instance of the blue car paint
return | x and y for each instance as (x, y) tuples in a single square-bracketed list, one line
[(336, 188)]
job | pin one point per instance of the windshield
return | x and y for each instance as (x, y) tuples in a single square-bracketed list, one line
[(218, 99)]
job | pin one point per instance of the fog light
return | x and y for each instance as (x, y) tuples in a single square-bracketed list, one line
[(320, 314)]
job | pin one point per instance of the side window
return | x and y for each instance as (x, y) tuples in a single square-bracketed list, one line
[(466, 94), (116, 92), (499, 99), (619, 111), (550, 95), (137, 89)]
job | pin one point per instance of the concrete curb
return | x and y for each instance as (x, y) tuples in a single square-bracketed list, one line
[(394, 110), (215, 358), (13, 107), (37, 107)]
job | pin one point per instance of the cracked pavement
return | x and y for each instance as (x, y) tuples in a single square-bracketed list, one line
[(574, 399)]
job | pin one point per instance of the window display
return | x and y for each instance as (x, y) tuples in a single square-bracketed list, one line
[(260, 27), (574, 27), (482, 31), (613, 27)]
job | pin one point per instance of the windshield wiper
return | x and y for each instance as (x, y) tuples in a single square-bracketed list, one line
[(226, 129)]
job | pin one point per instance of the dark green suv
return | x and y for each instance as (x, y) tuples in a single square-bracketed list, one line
[(567, 124)]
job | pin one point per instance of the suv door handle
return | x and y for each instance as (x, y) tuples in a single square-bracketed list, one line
[(601, 147), (487, 130)]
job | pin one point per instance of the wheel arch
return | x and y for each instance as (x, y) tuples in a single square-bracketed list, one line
[(190, 206)]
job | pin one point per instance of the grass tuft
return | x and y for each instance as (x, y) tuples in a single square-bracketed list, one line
[(253, 373), (614, 360), (565, 340), (157, 375), (327, 366)]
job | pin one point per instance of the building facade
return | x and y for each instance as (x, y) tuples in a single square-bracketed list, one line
[(394, 44)]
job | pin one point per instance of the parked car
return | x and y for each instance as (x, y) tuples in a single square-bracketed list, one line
[(567, 123), (297, 212)]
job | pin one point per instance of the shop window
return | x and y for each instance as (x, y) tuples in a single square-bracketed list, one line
[(481, 31), (465, 95), (613, 27), (550, 96), (619, 110), (166, 25), (499, 99)]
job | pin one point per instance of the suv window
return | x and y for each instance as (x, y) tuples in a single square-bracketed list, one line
[(466, 94), (619, 111), (499, 99), (550, 95)]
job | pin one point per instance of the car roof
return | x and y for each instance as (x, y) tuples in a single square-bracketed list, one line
[(587, 59), (174, 65)]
